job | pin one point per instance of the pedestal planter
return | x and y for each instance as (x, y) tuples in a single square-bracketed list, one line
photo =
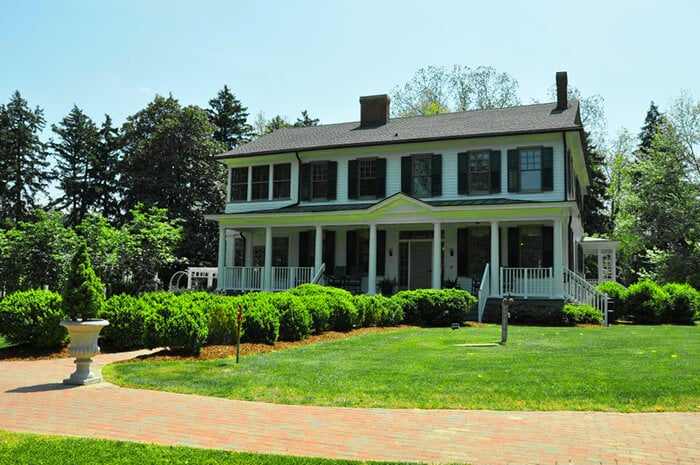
[(83, 346)]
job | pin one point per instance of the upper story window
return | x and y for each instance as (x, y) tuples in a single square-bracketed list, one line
[(530, 169), (318, 180), (282, 175), (421, 175), (261, 182), (239, 184), (367, 178), (479, 172)]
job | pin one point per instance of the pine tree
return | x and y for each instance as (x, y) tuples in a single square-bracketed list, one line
[(596, 215), (230, 118), (653, 121), (306, 120), (104, 170)]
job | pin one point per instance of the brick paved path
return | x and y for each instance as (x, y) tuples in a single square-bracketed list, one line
[(33, 400)]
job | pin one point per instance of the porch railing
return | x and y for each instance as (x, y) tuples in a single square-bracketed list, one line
[(579, 290), (526, 282), (252, 278), (287, 277), (484, 288)]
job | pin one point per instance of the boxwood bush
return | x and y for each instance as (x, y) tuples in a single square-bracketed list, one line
[(573, 315), (33, 317), (126, 315), (524, 313), (431, 307), (261, 322), (221, 313), (377, 310), (296, 323), (683, 304), (174, 322), (645, 302)]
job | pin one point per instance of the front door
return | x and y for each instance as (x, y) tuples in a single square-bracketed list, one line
[(420, 265)]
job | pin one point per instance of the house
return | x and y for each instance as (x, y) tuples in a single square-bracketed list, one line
[(488, 199)]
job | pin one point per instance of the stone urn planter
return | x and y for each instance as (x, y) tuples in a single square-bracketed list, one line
[(83, 346)]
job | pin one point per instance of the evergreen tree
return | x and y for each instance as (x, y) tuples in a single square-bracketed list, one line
[(652, 123), (24, 169), (278, 122), (596, 214), (104, 170), (229, 117), (306, 120)]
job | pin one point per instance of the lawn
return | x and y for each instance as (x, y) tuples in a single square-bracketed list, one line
[(620, 368), (30, 449)]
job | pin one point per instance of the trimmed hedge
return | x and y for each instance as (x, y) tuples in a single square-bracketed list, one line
[(645, 302), (296, 323), (261, 322), (126, 315), (377, 310), (174, 322), (431, 307), (573, 315), (33, 317), (683, 305)]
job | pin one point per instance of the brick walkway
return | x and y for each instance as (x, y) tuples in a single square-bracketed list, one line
[(33, 400)]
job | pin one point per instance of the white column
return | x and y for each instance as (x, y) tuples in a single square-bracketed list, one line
[(437, 256), (372, 272), (558, 268), (495, 266), (600, 266), (221, 261), (267, 275), (613, 264), (318, 250)]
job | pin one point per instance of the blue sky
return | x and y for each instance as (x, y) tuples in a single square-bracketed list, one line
[(283, 57)]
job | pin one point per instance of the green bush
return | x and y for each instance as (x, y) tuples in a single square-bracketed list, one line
[(432, 307), (222, 315), (330, 307), (581, 314), (174, 322), (296, 323), (33, 317), (377, 310), (524, 313), (645, 302), (614, 290), (126, 315), (320, 312), (260, 320), (83, 294), (683, 304)]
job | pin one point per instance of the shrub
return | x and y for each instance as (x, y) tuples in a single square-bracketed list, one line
[(33, 317), (126, 315), (377, 310), (683, 304), (431, 307), (260, 320), (320, 312), (176, 323), (296, 323), (614, 290), (581, 314), (83, 294), (330, 307), (344, 316), (645, 301), (527, 314)]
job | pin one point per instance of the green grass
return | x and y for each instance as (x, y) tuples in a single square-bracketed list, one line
[(31, 449), (620, 368)]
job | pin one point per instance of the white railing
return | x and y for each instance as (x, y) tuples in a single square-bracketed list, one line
[(252, 278), (484, 288), (319, 274), (207, 274), (287, 277), (526, 282), (243, 278), (580, 291)]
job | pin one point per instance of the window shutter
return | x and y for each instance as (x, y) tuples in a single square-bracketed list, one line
[(352, 179), (332, 179), (513, 170), (381, 178), (463, 173), (495, 171), (513, 247), (351, 250), (306, 181), (406, 175), (547, 246), (436, 171), (329, 251), (305, 258), (547, 175), (381, 252), (462, 252)]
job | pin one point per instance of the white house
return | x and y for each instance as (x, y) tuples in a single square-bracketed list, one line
[(489, 198)]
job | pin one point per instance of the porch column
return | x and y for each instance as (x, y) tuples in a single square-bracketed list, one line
[(437, 256), (372, 272), (613, 264), (495, 268), (558, 263), (221, 261), (600, 266), (318, 250), (267, 275)]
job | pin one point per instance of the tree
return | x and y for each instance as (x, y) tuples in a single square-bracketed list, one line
[(277, 122), (684, 114), (306, 120), (105, 170), (483, 87), (229, 117), (24, 169), (83, 294)]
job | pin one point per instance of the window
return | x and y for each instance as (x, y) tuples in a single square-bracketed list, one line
[(531, 246), (319, 180), (479, 173), (530, 169), (473, 251), (282, 175), (367, 177), (280, 251), (239, 184), (239, 252), (421, 175), (261, 180)]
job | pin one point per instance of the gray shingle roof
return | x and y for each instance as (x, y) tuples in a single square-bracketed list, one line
[(524, 119)]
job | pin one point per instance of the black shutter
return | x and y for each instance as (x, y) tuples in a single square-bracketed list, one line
[(332, 179), (406, 175), (495, 171), (329, 251), (381, 252), (547, 246), (462, 252), (547, 176), (436, 171), (305, 258), (306, 181), (350, 251), (513, 247), (513, 171), (463, 173), (381, 178), (352, 179)]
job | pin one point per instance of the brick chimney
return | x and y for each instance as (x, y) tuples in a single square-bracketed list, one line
[(562, 96), (374, 110)]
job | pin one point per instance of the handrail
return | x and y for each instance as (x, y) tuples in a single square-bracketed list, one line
[(483, 292), (319, 273), (581, 291)]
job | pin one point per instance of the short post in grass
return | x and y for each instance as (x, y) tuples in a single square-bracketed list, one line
[(505, 305), (238, 333)]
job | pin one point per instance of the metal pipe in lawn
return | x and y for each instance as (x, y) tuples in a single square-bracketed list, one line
[(505, 304)]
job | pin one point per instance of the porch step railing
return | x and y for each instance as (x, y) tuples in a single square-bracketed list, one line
[(580, 291), (526, 282), (484, 288)]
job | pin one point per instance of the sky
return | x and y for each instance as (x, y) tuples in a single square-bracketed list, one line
[(282, 57)]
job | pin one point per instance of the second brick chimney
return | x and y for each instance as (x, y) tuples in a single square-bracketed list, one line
[(374, 110), (562, 95)]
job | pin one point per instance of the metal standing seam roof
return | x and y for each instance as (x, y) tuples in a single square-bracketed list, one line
[(526, 119)]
